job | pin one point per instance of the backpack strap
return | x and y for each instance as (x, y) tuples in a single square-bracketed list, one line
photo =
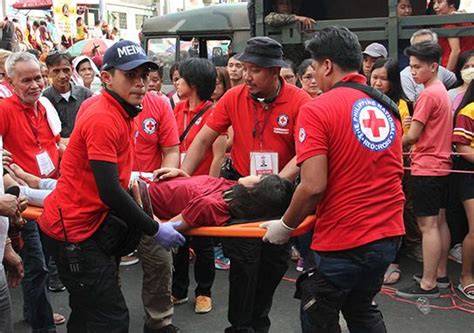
[(375, 94), (193, 121)]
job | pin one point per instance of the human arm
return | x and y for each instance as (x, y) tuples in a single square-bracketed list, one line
[(414, 133), (455, 46), (290, 171), (182, 226), (13, 266), (279, 20), (8, 205), (165, 173), (467, 151), (309, 192), (170, 157), (201, 143), (218, 153)]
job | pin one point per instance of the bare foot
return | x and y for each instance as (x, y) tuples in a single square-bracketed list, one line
[(30, 179)]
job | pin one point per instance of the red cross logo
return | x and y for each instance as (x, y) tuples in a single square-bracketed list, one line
[(374, 123), (150, 126)]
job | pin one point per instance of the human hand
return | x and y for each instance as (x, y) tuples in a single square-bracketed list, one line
[(278, 232), (168, 237), (307, 22), (22, 203), (249, 181), (7, 157), (13, 267), (407, 121), (8, 205), (166, 173), (17, 221)]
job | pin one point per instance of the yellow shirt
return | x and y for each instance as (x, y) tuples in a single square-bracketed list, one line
[(81, 33), (404, 112)]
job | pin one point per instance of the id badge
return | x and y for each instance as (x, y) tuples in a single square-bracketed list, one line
[(45, 164), (263, 163), (181, 158)]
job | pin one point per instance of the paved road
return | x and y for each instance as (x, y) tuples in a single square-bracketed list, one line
[(399, 317)]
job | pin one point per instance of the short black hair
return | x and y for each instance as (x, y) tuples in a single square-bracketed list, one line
[(173, 69), (291, 65), (455, 3), (56, 57), (199, 73), (159, 70), (269, 198), (463, 58), (337, 44), (43, 23), (304, 66), (426, 51)]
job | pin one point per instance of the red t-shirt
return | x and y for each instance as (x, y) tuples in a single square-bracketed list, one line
[(239, 109), (26, 135), (363, 201), (183, 117), (103, 132), (198, 199), (431, 154), (156, 128), (466, 42)]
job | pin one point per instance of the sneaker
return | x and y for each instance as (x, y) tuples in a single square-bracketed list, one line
[(55, 285), (220, 261), (178, 301), (203, 304), (300, 265), (416, 291), (442, 282), (129, 260), (166, 329), (455, 253)]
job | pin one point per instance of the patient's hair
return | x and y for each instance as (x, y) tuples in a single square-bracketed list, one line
[(269, 198)]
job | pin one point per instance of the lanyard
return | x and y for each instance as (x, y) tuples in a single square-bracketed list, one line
[(259, 127)]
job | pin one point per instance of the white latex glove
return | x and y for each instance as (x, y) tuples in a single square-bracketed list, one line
[(277, 232)]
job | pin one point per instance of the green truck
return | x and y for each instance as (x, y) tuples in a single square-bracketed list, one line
[(214, 31)]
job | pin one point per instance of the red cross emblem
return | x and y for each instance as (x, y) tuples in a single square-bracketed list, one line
[(149, 125), (374, 123)]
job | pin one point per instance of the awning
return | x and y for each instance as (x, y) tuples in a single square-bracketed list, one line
[(32, 4)]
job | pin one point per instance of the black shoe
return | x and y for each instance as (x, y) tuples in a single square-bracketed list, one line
[(442, 282), (416, 291), (168, 329), (55, 285)]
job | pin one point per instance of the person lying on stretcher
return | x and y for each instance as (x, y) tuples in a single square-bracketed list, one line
[(199, 200)]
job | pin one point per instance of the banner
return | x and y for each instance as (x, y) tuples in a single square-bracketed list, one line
[(65, 14)]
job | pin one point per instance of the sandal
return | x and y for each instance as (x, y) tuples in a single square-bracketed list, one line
[(467, 291), (392, 269), (59, 319)]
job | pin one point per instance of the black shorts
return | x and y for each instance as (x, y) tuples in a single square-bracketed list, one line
[(465, 186), (430, 194)]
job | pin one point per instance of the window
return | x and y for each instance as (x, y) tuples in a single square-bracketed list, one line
[(163, 52), (139, 19), (121, 19)]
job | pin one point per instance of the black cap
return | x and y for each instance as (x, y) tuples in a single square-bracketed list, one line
[(263, 52), (126, 55)]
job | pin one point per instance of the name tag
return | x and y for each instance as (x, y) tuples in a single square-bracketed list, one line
[(45, 165), (263, 163)]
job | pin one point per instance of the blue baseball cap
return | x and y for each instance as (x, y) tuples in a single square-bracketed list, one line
[(126, 55)]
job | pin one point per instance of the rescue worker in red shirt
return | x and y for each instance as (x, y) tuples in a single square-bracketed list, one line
[(263, 114), (350, 156), (157, 145), (31, 144), (89, 219)]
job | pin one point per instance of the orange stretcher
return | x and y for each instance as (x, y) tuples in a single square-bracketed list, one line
[(247, 230)]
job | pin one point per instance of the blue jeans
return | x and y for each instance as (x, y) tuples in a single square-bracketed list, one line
[(36, 305), (347, 281)]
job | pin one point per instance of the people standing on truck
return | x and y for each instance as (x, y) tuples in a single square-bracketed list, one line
[(452, 46), (284, 14), (235, 69), (371, 53), (307, 79), (410, 87)]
